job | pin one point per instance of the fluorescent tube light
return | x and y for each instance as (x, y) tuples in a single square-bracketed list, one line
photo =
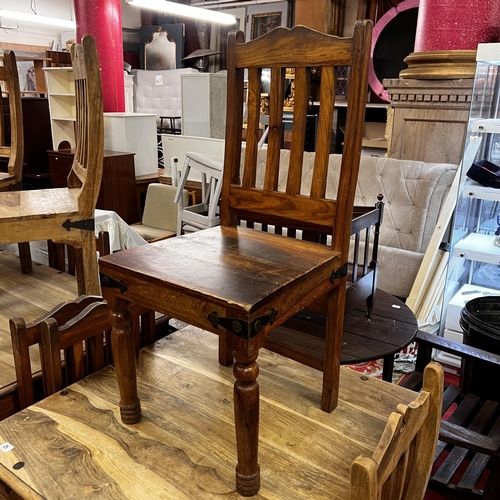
[(184, 10), (34, 18)]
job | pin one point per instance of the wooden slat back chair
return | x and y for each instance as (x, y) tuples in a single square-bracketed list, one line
[(400, 466), (85, 340), (66, 215), (25, 335), (469, 439), (12, 179), (242, 199), (87, 315), (15, 151)]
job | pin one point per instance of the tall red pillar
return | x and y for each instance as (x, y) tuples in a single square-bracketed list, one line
[(103, 20), (456, 24)]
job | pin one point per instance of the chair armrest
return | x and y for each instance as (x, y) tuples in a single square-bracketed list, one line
[(427, 340)]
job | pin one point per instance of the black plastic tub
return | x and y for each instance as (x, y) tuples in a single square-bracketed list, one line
[(480, 322)]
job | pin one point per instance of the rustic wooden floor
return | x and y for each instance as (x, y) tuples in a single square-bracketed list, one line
[(28, 296)]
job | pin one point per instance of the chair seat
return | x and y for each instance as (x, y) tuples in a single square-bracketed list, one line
[(237, 268), (152, 233)]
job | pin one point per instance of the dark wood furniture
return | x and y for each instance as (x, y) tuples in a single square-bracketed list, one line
[(469, 438), (181, 448), (238, 282), (37, 140), (391, 327), (118, 186)]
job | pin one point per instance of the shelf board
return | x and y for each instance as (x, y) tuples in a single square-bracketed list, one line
[(64, 118), (486, 125), (472, 189), (62, 94), (478, 247)]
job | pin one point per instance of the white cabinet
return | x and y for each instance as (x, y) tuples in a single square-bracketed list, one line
[(62, 105), (133, 133), (474, 266), (204, 104)]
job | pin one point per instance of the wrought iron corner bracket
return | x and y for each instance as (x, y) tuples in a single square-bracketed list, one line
[(84, 225), (341, 272), (241, 328), (108, 282)]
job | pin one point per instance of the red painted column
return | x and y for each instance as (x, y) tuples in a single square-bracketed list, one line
[(103, 20), (456, 24)]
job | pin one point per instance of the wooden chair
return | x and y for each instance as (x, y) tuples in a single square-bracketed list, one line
[(246, 282), (14, 152), (87, 315), (85, 341), (469, 440), (12, 179), (306, 275), (66, 215), (401, 464)]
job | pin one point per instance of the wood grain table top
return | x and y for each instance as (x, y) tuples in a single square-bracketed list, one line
[(73, 445)]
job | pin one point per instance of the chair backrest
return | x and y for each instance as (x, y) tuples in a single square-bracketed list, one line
[(15, 152), (25, 335), (400, 466), (86, 172), (303, 49), (160, 209), (85, 340)]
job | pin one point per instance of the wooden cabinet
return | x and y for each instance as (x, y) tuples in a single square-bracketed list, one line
[(118, 181)]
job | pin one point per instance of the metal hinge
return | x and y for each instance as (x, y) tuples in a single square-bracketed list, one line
[(108, 282), (341, 272), (84, 225), (241, 328)]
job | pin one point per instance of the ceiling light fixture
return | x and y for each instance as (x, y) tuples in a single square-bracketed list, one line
[(184, 10), (35, 18)]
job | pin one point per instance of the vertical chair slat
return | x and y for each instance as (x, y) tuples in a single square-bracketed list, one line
[(324, 132), (249, 173), (301, 103), (275, 128)]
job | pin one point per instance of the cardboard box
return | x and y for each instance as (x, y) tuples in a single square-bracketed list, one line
[(374, 135)]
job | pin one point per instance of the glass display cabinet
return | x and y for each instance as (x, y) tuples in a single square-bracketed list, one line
[(474, 264)]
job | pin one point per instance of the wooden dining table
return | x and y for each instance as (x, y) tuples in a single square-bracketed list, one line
[(73, 445)]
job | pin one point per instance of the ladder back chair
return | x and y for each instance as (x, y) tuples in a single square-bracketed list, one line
[(400, 466), (14, 152), (238, 282), (66, 215)]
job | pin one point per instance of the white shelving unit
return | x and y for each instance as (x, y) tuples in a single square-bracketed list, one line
[(62, 104), (474, 266)]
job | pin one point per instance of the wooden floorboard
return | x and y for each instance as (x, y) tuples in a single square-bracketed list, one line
[(73, 445), (28, 296)]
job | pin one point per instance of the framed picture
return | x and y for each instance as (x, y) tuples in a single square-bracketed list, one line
[(264, 22)]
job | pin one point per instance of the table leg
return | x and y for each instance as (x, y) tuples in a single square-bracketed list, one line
[(122, 341), (388, 368), (246, 417)]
